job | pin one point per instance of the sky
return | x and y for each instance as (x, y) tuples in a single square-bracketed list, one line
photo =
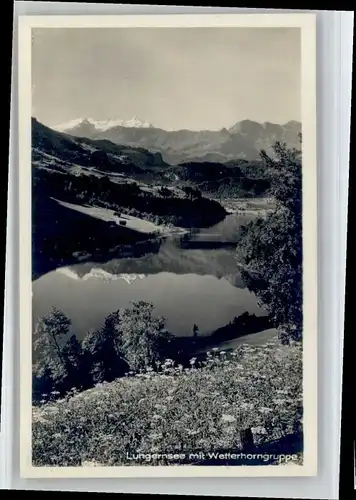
[(174, 78)]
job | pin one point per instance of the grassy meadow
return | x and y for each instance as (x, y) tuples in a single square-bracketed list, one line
[(179, 410)]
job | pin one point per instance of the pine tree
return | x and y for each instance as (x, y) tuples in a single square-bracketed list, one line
[(102, 351), (73, 358)]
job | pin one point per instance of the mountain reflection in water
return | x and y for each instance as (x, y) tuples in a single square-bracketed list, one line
[(170, 258), (99, 273), (186, 286)]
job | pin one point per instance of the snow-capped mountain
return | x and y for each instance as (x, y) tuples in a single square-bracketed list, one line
[(102, 125)]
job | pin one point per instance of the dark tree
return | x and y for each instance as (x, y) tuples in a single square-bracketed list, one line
[(195, 331), (102, 351), (197, 194), (99, 159), (163, 191), (187, 190), (192, 193), (270, 249), (51, 332), (73, 358), (145, 340), (58, 356)]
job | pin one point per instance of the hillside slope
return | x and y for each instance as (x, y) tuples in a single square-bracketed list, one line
[(60, 151), (56, 240)]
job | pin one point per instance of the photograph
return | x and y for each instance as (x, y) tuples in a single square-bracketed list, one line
[(168, 245)]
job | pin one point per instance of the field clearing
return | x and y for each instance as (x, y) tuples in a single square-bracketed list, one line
[(108, 215)]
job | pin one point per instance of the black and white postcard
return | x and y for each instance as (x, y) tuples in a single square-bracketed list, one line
[(168, 245)]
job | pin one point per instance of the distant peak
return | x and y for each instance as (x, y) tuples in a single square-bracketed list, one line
[(72, 124), (102, 125)]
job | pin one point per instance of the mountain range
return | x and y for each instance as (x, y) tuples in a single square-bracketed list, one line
[(244, 140), (66, 153)]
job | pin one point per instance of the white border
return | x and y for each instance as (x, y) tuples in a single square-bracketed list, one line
[(307, 24)]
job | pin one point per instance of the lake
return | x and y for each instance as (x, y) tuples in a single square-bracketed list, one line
[(186, 286)]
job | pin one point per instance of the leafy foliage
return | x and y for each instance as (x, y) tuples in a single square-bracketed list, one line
[(57, 355), (144, 339), (72, 354), (102, 354), (270, 249), (130, 339), (49, 333)]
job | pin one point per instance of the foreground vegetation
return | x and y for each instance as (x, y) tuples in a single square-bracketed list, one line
[(175, 411), (143, 402), (130, 340), (269, 248)]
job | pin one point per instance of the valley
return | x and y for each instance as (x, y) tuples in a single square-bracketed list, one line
[(126, 194), (120, 223)]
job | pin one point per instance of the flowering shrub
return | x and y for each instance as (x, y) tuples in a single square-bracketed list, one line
[(175, 411)]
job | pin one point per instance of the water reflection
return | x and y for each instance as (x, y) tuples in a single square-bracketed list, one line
[(172, 258), (186, 285), (183, 299)]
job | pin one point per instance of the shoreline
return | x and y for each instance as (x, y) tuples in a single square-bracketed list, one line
[(247, 206)]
